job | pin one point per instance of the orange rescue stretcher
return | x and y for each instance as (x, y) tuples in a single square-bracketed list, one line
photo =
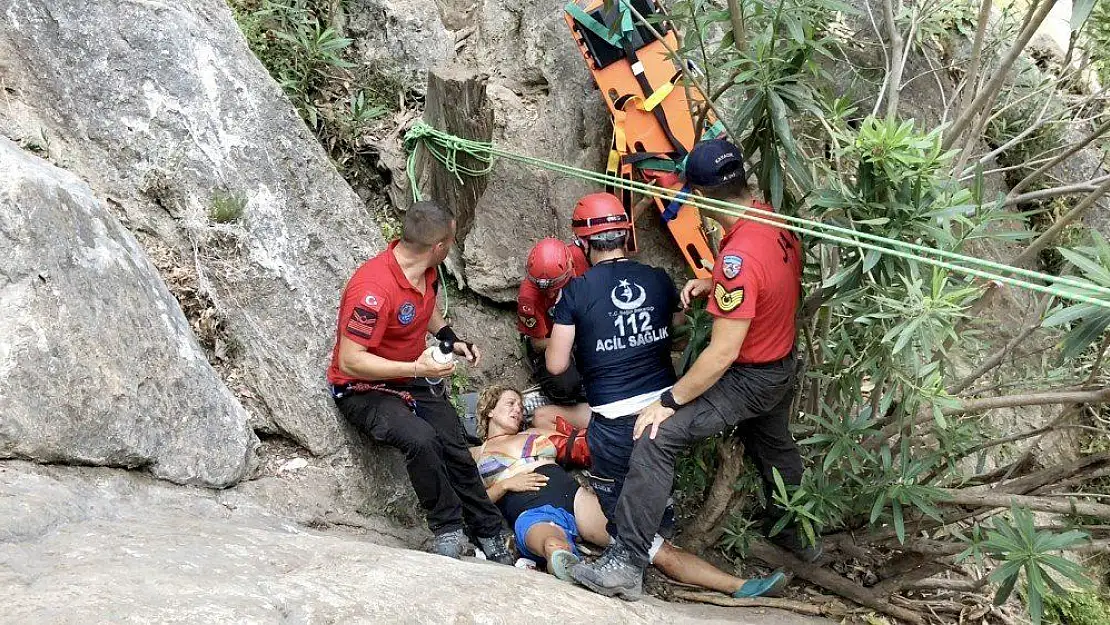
[(653, 125)]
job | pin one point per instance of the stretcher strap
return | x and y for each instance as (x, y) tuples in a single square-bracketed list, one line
[(672, 209), (596, 27)]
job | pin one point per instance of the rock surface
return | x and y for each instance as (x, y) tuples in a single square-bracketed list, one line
[(162, 554), (98, 364), (545, 106), (163, 109)]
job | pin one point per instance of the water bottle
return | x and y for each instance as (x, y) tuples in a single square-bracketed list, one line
[(444, 354)]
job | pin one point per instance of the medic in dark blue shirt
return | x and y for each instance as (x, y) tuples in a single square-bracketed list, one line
[(617, 319)]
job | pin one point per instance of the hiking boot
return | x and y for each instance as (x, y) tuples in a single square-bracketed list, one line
[(560, 563), (496, 549), (613, 574), (533, 398), (449, 544), (794, 543), (770, 586)]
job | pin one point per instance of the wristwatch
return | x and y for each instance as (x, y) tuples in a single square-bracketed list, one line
[(667, 400)]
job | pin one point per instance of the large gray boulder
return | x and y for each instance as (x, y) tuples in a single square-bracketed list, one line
[(163, 109), (98, 364), (170, 555)]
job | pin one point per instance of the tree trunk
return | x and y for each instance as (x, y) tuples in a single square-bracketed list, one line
[(700, 534), (457, 104)]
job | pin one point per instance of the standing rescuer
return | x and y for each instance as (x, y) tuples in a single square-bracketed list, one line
[(389, 386), (743, 380), (551, 265)]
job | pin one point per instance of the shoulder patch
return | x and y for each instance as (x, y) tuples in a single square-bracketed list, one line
[(730, 266), (362, 322), (727, 300), (529, 322)]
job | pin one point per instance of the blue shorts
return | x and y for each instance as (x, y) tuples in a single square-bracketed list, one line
[(544, 514)]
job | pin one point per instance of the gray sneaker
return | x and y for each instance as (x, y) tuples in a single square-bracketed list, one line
[(496, 548), (534, 398), (613, 574), (449, 544)]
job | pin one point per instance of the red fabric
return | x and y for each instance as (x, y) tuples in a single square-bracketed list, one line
[(757, 276), (383, 312), (533, 305), (578, 456)]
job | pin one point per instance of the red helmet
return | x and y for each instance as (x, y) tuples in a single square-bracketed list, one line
[(550, 265), (597, 213)]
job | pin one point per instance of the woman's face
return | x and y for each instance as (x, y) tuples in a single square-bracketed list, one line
[(508, 414)]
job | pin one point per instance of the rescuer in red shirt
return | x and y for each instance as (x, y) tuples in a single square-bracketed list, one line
[(551, 265), (743, 380), (387, 384)]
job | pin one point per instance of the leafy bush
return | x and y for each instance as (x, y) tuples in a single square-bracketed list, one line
[(1076, 608), (308, 57)]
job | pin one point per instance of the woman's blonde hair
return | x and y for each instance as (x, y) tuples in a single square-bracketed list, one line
[(487, 401)]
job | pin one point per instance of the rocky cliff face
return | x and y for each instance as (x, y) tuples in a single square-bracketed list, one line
[(98, 364), (163, 109)]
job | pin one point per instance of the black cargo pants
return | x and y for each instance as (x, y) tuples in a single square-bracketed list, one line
[(442, 471), (753, 399)]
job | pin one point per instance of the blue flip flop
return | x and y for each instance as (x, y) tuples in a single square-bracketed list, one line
[(770, 586)]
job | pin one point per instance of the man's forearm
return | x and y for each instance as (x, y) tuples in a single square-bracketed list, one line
[(367, 366), (706, 370)]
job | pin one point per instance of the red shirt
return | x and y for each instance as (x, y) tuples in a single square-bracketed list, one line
[(383, 312), (533, 304), (758, 276)]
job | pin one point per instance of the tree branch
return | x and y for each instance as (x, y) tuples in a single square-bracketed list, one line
[(760, 602), (996, 358), (1068, 189), (1034, 19), (1033, 399), (1098, 132), (1050, 235), (1044, 504), (897, 59), (762, 550)]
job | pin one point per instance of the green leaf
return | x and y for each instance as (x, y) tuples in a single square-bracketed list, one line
[(1088, 332), (1080, 11), (1069, 314), (899, 521)]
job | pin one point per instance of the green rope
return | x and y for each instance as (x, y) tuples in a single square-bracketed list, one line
[(449, 146)]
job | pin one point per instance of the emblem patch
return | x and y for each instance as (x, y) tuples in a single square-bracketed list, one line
[(406, 313), (628, 296), (730, 266), (370, 301), (362, 322), (728, 301), (529, 322)]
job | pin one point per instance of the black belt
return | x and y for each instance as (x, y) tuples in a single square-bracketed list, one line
[(766, 365)]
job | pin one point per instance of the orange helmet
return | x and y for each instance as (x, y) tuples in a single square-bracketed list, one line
[(550, 265), (597, 213)]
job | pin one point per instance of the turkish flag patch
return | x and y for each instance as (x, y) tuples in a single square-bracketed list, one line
[(362, 322)]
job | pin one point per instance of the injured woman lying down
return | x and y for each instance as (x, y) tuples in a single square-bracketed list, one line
[(524, 474)]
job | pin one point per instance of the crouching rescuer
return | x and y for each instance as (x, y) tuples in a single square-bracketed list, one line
[(389, 386), (743, 382)]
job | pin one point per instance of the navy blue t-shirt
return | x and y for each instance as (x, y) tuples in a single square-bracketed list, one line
[(621, 311)]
